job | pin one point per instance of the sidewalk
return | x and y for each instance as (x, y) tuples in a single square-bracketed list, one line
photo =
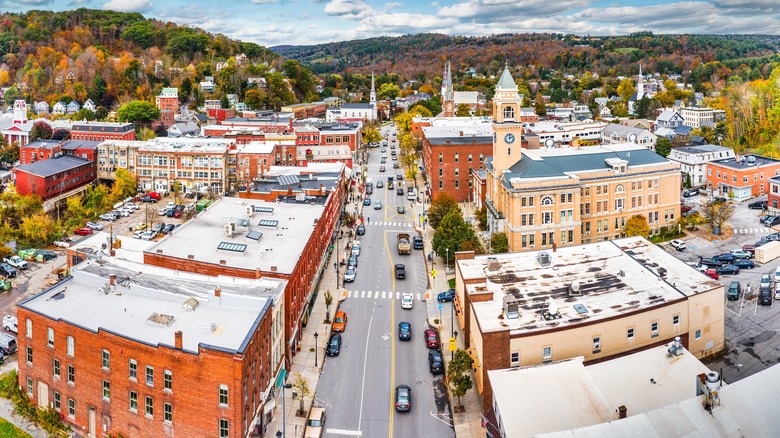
[(7, 408)]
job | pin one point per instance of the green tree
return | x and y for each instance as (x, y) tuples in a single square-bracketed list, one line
[(84, 114), (38, 230), (388, 91), (145, 134), (482, 218), (626, 89), (663, 146), (75, 213), (442, 204), (126, 185), (225, 103), (139, 112), (12, 94), (499, 243), (141, 32), (637, 226), (254, 98), (97, 200), (41, 131), (459, 373), (371, 134), (717, 213), (453, 235), (463, 110)]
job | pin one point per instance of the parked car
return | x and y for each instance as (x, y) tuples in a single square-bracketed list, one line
[(758, 205), (766, 282), (712, 262), (148, 235), (744, 264), (741, 254), (435, 362), (167, 229), (688, 213), (403, 396), (356, 249), (749, 248), (678, 244), (367, 201), (138, 234), (16, 262), (712, 273), (377, 205), (10, 323), (352, 261), (158, 227), (728, 270), (350, 274), (719, 200), (765, 297), (725, 258), (404, 331), (690, 192), (361, 230), (316, 423), (107, 217), (446, 296), (431, 338), (340, 321), (734, 291), (83, 231), (685, 208), (407, 299), (334, 345), (7, 270), (95, 226), (140, 226), (771, 221)]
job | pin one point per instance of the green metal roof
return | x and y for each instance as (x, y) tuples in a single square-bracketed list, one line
[(506, 81)]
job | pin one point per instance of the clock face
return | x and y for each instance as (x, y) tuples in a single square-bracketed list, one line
[(509, 138)]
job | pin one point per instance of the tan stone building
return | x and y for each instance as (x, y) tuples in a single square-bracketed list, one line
[(201, 165), (542, 195), (599, 301)]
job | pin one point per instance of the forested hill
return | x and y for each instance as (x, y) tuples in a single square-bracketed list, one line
[(414, 55), (108, 56)]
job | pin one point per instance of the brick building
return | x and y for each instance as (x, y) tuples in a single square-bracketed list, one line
[(200, 164), (115, 350), (168, 104), (598, 301), (116, 154), (86, 149), (255, 159), (39, 150), (305, 110), (100, 131), (53, 177), (742, 177)]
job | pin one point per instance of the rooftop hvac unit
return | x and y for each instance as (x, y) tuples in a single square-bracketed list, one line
[(230, 229), (511, 308), (544, 258), (250, 210), (574, 289)]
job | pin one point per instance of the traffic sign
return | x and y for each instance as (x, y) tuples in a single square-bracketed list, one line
[(433, 273), (440, 305), (452, 344)]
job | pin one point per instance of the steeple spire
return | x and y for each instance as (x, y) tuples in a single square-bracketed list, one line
[(373, 90), (640, 84)]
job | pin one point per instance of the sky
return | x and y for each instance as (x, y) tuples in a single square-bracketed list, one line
[(303, 22)]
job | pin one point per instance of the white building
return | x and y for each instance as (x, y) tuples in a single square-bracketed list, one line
[(695, 116), (693, 160), (563, 133), (619, 134)]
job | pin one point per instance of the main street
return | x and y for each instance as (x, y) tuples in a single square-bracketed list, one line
[(357, 387)]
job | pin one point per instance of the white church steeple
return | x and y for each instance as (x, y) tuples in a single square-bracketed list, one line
[(640, 85), (372, 97)]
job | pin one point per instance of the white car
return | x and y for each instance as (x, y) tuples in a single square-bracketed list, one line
[(138, 234), (163, 211), (407, 301), (349, 276), (148, 235), (133, 206), (356, 249), (95, 226), (123, 212), (677, 244)]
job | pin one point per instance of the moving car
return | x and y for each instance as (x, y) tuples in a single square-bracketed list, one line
[(361, 230), (350, 274), (400, 271), (83, 231), (404, 331), (380, 184), (431, 338), (446, 296), (436, 362), (95, 226), (401, 209), (382, 168), (403, 396), (334, 345), (367, 201), (735, 289), (758, 205), (399, 191), (377, 205), (677, 244), (396, 165), (340, 321), (407, 299), (316, 423), (418, 242), (690, 192)]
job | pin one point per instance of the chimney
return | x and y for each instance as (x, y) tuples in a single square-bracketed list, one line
[(273, 268), (622, 412), (217, 292), (177, 340), (112, 280)]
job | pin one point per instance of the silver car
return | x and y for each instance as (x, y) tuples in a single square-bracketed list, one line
[(94, 225), (349, 276)]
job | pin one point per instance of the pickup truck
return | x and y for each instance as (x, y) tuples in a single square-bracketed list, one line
[(712, 262), (16, 262), (404, 244)]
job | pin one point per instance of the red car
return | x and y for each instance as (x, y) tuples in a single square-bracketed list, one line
[(83, 231), (749, 248), (431, 338), (712, 273)]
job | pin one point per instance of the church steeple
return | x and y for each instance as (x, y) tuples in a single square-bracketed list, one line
[(447, 93), (640, 84), (372, 97)]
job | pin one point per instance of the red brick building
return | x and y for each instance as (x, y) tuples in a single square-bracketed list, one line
[(39, 150), (115, 356), (86, 149), (168, 104), (451, 154), (221, 114), (101, 131), (743, 177), (773, 201), (55, 176)]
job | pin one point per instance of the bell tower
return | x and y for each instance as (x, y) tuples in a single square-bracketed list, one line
[(507, 128)]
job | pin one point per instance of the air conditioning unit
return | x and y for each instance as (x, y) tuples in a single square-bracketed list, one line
[(230, 229), (250, 211)]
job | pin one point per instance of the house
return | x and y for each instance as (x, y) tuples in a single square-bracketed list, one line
[(693, 160), (212, 104), (232, 100), (72, 108), (41, 108), (614, 134), (221, 65), (168, 103), (207, 86), (241, 59), (16, 129), (669, 119), (189, 129), (260, 82), (89, 105), (59, 108)]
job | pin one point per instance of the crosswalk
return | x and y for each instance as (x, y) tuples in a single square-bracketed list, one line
[(378, 295), (699, 242), (752, 230), (390, 224)]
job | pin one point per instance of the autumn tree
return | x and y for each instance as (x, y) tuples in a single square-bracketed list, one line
[(38, 229), (125, 185), (388, 91), (41, 130), (717, 213), (626, 89), (441, 205), (254, 98), (371, 135), (499, 243), (463, 110), (637, 226)]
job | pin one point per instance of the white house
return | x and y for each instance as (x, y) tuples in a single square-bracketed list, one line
[(183, 129), (73, 107), (618, 134), (693, 160), (41, 108), (90, 105), (59, 108)]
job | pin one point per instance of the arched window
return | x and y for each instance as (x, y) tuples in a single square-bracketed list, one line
[(509, 113), (619, 188), (547, 200)]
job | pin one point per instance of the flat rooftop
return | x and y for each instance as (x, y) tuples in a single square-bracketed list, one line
[(273, 235), (203, 145), (702, 149), (746, 162), (568, 395), (551, 126), (149, 308), (615, 277)]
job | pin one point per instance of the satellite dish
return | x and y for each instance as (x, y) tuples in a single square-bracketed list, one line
[(632, 138), (549, 143), (552, 309)]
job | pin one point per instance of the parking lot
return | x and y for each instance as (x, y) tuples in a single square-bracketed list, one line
[(751, 341)]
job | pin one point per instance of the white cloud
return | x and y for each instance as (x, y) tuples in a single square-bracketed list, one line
[(128, 5), (264, 2), (345, 7)]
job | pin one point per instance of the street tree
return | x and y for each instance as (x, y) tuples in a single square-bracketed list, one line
[(178, 189), (453, 235), (301, 386), (637, 226), (691, 222), (499, 243), (717, 213), (125, 185), (442, 204), (97, 199), (459, 374), (371, 135), (41, 131), (328, 302)]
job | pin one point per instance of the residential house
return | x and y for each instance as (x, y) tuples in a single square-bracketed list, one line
[(220, 65), (693, 161), (186, 129), (668, 119), (89, 105), (259, 82), (72, 108), (617, 134), (168, 104), (59, 108), (41, 108)]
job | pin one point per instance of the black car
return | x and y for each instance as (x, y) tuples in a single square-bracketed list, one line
[(727, 270), (400, 271), (758, 205), (771, 221), (435, 362), (7, 270), (403, 398), (361, 230), (404, 331), (690, 192), (744, 264), (765, 297), (399, 191), (168, 228), (418, 242), (711, 262), (334, 345), (725, 258), (719, 200)]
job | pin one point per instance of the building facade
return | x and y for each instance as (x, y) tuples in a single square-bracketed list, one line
[(116, 154), (168, 104), (39, 150), (54, 177), (200, 165), (695, 116), (101, 131), (451, 154), (742, 177), (693, 161)]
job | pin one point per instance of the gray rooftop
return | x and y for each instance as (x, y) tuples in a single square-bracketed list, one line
[(281, 244), (746, 161), (225, 323), (702, 149), (505, 81), (72, 145), (356, 106), (102, 127), (53, 166), (297, 182), (465, 134), (40, 144), (615, 277)]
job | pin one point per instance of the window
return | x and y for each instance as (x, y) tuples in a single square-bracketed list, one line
[(515, 358), (441, 172), (457, 157), (29, 355), (457, 171), (71, 374), (28, 328), (149, 375), (133, 400), (547, 217), (547, 200), (56, 366), (106, 360), (597, 344), (168, 380), (29, 386), (676, 320), (470, 158), (167, 412), (619, 204), (223, 395), (50, 337), (547, 354), (697, 335), (620, 188), (106, 389), (509, 113), (441, 158), (71, 408), (224, 428), (441, 184), (57, 400), (630, 334), (654, 329), (133, 369), (149, 406), (71, 345)]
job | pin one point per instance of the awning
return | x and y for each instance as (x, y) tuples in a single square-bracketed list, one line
[(269, 406), (280, 378)]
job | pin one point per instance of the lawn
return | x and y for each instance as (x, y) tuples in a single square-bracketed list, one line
[(8, 430)]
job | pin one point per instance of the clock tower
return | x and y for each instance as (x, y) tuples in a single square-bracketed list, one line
[(507, 128)]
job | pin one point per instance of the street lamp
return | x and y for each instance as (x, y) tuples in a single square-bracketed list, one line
[(446, 259), (454, 335), (283, 433), (315, 349)]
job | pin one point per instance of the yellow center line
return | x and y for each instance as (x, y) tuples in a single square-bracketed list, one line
[(392, 340)]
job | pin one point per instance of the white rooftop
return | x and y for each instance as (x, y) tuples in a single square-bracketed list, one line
[(87, 300), (285, 232), (182, 144), (615, 277), (551, 126), (255, 147), (542, 152), (567, 395), (468, 130)]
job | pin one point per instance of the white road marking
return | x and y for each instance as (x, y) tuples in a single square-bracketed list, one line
[(344, 432), (398, 295), (383, 295), (365, 362), (377, 295), (362, 294)]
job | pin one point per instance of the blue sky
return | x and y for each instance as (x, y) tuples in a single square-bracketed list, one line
[(275, 22)]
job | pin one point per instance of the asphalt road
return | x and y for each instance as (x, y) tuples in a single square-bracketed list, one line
[(357, 387)]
